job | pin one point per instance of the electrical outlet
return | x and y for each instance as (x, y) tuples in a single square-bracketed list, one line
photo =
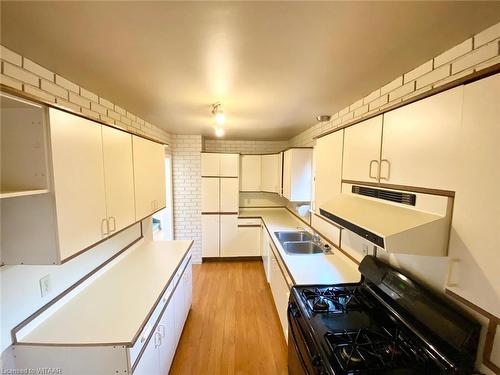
[(365, 249), (45, 285)]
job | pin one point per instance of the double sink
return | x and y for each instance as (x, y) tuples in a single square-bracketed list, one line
[(300, 242)]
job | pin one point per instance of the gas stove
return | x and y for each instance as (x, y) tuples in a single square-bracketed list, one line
[(386, 324)]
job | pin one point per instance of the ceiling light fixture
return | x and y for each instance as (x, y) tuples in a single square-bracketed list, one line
[(219, 119), (323, 118)]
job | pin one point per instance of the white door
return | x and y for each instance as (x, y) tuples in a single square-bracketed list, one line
[(210, 194), (149, 364), (210, 235), (210, 165), (229, 244), (179, 310), (146, 169), (362, 150), (229, 195), (475, 234), (229, 165), (328, 168), (420, 145), (250, 173), (119, 178), (78, 173), (271, 173), (166, 328)]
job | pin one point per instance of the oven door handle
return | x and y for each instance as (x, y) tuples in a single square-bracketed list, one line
[(294, 339)]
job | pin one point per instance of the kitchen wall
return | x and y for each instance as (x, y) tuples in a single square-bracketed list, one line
[(243, 147), (186, 164)]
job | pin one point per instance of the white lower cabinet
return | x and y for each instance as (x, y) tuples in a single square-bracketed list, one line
[(280, 290), (210, 235), (265, 251), (239, 237), (166, 329)]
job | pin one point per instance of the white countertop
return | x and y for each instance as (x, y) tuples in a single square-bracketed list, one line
[(113, 307), (319, 268)]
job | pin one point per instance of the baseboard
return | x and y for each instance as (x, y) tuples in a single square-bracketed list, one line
[(232, 259)]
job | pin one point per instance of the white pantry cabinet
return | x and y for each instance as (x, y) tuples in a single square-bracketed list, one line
[(297, 174), (327, 168), (420, 142), (219, 165), (149, 176), (229, 195), (271, 176), (210, 194), (250, 173), (362, 150), (475, 233)]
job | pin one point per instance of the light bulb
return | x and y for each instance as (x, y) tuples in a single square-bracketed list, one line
[(219, 131), (219, 118)]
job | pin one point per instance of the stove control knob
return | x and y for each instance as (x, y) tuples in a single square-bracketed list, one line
[(316, 361)]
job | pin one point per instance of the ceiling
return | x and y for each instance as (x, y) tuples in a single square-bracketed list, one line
[(273, 65)]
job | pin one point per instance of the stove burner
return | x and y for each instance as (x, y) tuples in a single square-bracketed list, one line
[(349, 356), (332, 300)]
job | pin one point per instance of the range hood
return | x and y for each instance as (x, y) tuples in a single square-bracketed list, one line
[(389, 226)]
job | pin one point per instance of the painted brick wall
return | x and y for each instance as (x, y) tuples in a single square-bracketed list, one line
[(476, 53), (23, 74), (243, 147), (186, 163)]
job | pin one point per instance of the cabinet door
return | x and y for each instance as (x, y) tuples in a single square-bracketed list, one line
[(210, 235), (149, 364), (229, 244), (328, 168), (229, 165), (166, 328), (475, 234), (271, 173), (279, 289), (78, 176), (229, 195), (210, 194), (158, 175), (210, 164), (188, 287), (265, 250), (250, 172), (362, 150), (300, 174), (146, 166), (287, 170), (119, 177), (420, 145), (179, 310)]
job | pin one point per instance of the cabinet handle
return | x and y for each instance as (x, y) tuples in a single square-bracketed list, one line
[(157, 339), (162, 330), (104, 227), (113, 221), (388, 169), (370, 169)]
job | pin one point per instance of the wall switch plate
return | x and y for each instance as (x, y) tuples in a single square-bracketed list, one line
[(45, 285)]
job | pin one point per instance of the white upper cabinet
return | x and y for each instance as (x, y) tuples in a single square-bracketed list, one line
[(297, 174), (362, 150), (250, 173), (271, 173), (219, 165), (420, 143), (327, 168), (229, 195), (78, 175), (475, 234), (210, 164), (119, 178), (229, 165), (210, 194), (149, 177)]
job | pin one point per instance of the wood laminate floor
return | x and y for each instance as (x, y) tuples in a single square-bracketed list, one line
[(233, 327)]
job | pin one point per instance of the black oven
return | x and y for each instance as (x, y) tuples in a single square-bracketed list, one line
[(303, 357)]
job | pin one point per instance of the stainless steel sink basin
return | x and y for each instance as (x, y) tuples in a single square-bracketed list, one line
[(293, 236), (302, 247), (299, 242)]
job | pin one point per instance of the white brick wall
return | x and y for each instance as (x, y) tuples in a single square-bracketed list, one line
[(186, 162), (473, 54), (24, 74), (243, 147)]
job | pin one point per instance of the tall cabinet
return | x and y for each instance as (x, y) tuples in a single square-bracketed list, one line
[(219, 200)]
